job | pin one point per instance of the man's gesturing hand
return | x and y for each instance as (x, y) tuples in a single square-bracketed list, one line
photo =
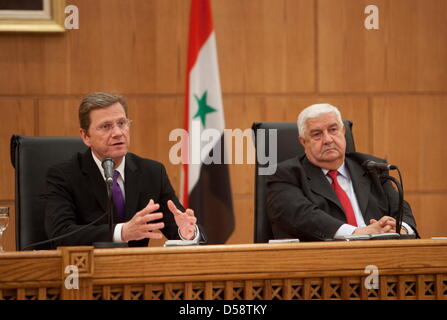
[(186, 222), (139, 227)]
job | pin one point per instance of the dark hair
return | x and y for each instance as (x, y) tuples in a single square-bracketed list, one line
[(97, 100)]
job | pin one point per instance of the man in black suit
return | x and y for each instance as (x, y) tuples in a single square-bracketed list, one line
[(327, 194), (77, 192)]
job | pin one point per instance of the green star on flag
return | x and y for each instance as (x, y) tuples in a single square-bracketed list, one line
[(204, 108)]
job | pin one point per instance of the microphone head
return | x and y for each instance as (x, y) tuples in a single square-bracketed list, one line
[(377, 166), (108, 162), (369, 165)]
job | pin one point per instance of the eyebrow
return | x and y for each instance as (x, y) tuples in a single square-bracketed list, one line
[(112, 121), (335, 124)]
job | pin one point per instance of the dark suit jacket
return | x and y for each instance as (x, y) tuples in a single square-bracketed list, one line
[(77, 195), (302, 204)]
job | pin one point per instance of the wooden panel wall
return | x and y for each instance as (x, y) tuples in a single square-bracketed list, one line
[(276, 57)]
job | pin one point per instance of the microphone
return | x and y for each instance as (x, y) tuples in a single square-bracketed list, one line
[(108, 164), (377, 166)]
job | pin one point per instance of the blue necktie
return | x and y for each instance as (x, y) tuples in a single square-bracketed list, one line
[(118, 198)]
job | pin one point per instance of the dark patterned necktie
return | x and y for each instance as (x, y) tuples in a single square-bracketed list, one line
[(118, 198)]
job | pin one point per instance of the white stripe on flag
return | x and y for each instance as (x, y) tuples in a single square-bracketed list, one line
[(204, 77)]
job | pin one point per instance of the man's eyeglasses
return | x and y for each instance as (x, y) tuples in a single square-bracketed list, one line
[(108, 127)]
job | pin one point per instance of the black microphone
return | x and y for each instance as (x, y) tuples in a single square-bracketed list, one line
[(108, 164), (377, 166)]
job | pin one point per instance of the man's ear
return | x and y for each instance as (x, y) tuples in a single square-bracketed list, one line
[(85, 137), (301, 140)]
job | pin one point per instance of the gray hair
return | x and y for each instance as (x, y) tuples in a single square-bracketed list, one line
[(315, 111)]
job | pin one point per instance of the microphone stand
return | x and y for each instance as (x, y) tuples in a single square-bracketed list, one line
[(399, 215), (110, 207), (384, 176), (110, 212)]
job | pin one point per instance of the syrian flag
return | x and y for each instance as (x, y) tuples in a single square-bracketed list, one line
[(205, 178)]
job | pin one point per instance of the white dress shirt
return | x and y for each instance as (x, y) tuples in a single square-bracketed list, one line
[(345, 182)]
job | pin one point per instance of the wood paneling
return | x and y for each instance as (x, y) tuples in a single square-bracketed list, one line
[(240, 113), (429, 212), (58, 117), (33, 64), (407, 53), (432, 216), (126, 46), (243, 206), (265, 46), (154, 119), (408, 131), (297, 271), (17, 117)]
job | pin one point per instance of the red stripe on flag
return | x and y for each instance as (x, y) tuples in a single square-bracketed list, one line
[(200, 28)]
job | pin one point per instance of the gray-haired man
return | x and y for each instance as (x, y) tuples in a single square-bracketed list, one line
[(327, 193)]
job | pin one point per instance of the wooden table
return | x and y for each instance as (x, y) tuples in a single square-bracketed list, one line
[(403, 269)]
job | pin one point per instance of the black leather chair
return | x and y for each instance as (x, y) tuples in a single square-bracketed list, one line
[(31, 157), (288, 147)]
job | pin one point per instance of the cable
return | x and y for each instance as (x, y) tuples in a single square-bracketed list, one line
[(64, 235), (399, 215)]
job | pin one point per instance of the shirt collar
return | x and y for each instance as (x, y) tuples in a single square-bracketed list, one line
[(342, 170), (120, 168)]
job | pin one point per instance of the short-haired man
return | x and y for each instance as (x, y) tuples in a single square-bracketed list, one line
[(327, 194), (144, 200)]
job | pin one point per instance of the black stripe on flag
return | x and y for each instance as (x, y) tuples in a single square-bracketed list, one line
[(211, 199)]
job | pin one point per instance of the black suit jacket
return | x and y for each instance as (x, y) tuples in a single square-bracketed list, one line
[(302, 204), (77, 195)]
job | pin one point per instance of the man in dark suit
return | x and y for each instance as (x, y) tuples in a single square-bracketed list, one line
[(144, 200), (327, 194)]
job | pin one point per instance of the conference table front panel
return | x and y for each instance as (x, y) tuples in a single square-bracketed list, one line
[(381, 269)]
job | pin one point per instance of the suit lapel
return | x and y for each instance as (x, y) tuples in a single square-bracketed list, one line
[(361, 184), (96, 180), (131, 186), (319, 183)]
